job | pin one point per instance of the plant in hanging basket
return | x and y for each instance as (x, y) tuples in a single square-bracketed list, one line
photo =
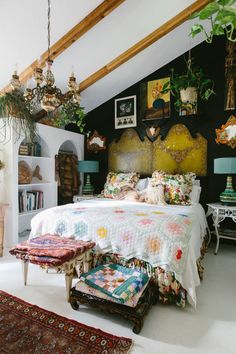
[(71, 112), (222, 17), (14, 109), (190, 85)]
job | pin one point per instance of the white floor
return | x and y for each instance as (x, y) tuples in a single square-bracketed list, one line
[(210, 329)]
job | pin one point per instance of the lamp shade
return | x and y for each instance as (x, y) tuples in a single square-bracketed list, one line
[(88, 166), (225, 165)]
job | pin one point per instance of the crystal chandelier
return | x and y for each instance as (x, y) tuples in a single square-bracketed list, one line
[(45, 92)]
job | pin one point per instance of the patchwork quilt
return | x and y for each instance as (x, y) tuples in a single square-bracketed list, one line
[(137, 230), (116, 281)]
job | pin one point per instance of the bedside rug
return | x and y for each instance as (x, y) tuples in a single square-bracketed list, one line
[(28, 329)]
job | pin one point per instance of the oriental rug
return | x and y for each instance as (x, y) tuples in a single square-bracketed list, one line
[(29, 329)]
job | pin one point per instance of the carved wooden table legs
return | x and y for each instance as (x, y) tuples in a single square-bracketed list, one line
[(134, 314)]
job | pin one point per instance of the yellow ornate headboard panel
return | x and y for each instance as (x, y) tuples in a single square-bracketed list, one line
[(179, 152), (130, 154)]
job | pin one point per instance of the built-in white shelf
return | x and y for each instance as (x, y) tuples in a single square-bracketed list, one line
[(34, 184), (31, 212), (34, 157)]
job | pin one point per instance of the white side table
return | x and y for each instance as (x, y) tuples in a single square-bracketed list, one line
[(80, 198), (219, 213)]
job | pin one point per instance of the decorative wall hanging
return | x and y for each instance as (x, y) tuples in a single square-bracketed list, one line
[(152, 132), (154, 104), (180, 152), (227, 133), (125, 112), (230, 76), (96, 142), (130, 154)]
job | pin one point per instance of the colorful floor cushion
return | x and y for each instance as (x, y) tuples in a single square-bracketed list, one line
[(116, 281), (85, 288)]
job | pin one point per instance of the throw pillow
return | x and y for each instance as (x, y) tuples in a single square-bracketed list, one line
[(177, 188), (115, 182)]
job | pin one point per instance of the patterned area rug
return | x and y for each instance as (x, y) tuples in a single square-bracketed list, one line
[(29, 329)]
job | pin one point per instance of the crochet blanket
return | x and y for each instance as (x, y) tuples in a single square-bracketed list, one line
[(140, 231)]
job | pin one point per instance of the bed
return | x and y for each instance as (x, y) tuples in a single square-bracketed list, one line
[(129, 229), (166, 241)]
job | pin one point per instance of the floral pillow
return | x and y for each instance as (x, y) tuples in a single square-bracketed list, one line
[(177, 188), (116, 182)]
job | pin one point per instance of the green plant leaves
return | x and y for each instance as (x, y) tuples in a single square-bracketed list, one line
[(208, 10), (222, 16)]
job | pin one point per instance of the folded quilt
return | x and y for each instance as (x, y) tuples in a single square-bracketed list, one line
[(50, 249), (116, 281)]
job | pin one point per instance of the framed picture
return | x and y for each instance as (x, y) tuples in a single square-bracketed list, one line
[(154, 104), (125, 112)]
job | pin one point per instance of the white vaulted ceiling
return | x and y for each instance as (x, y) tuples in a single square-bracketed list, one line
[(23, 38)]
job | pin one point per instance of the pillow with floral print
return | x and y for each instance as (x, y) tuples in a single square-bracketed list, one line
[(116, 182), (177, 188)]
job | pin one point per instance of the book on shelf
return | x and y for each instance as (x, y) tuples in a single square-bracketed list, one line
[(30, 200)]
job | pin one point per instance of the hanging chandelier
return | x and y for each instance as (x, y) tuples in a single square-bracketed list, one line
[(45, 93)]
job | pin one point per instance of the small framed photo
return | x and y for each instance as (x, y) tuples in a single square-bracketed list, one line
[(125, 112)]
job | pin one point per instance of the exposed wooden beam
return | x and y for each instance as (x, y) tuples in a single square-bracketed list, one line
[(101, 11), (144, 43)]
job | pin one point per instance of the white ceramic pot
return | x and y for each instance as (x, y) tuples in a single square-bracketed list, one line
[(188, 95)]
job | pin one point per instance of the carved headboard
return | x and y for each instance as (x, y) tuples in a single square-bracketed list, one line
[(179, 152)]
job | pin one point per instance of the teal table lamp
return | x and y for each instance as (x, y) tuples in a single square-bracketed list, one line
[(87, 166), (226, 165)]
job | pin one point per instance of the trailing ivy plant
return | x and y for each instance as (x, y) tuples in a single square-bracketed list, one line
[(222, 17), (71, 112), (18, 114), (193, 76)]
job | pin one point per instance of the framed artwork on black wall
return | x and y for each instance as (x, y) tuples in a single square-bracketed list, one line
[(154, 104), (125, 112)]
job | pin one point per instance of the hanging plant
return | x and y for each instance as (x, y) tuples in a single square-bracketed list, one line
[(192, 81), (17, 113), (222, 17), (71, 112)]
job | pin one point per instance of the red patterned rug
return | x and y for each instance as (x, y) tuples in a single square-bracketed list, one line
[(29, 329)]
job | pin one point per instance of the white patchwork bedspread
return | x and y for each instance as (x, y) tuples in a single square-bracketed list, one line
[(159, 235), (132, 231)]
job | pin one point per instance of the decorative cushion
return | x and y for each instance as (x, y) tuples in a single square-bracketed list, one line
[(116, 181), (116, 281), (177, 188), (142, 184)]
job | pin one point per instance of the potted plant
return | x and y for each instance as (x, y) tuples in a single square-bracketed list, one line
[(14, 109), (189, 86), (222, 17), (71, 112)]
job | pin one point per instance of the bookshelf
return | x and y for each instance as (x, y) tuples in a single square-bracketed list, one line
[(28, 199)]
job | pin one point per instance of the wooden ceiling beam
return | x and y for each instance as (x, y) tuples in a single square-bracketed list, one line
[(144, 43), (101, 11)]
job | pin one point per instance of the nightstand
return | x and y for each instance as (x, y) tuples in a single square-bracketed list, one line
[(219, 213), (80, 198)]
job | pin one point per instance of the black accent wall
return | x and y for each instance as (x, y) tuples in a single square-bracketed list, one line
[(211, 115)]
